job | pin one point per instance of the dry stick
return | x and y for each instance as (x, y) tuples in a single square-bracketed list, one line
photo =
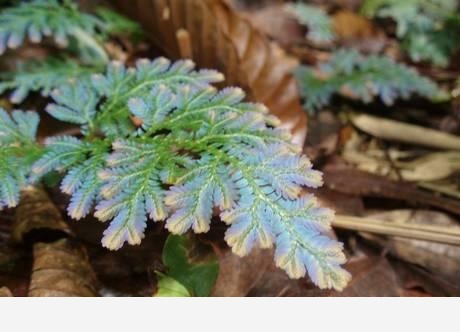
[(411, 231), (185, 45)]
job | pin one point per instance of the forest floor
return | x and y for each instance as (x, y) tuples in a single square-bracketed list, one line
[(391, 170)]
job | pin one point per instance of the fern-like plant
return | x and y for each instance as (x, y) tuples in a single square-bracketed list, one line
[(319, 24), (81, 34), (428, 29), (18, 151), (196, 149), (158, 143), (42, 76), (364, 78)]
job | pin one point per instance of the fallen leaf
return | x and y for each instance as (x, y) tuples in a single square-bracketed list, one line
[(277, 23), (5, 292), (276, 283), (414, 277), (238, 275), (442, 259), (372, 276), (37, 218), (405, 133), (356, 31), (393, 163), (214, 36), (61, 268)]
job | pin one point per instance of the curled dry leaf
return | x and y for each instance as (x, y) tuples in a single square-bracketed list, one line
[(61, 269), (37, 213), (393, 163), (214, 36)]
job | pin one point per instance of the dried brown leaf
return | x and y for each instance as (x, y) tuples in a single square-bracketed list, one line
[(217, 37), (372, 276), (441, 259), (405, 133), (5, 292), (356, 31), (237, 275), (36, 213), (61, 269), (277, 23), (393, 163)]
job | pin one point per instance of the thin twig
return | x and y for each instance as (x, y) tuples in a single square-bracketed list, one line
[(420, 232)]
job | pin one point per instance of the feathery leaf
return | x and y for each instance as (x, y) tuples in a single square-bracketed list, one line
[(195, 150), (363, 78)]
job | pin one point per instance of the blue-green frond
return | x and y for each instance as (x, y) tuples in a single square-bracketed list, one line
[(194, 200), (38, 19), (63, 22), (81, 162), (75, 102), (43, 76), (191, 151), (83, 184), (61, 152), (319, 24), (17, 153), (428, 30), (286, 173), (128, 224), (265, 218), (130, 191), (19, 127), (120, 84), (155, 108), (12, 177), (363, 78), (114, 23)]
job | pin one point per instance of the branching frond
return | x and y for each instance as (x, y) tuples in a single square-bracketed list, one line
[(319, 24), (364, 78), (82, 161), (17, 153), (428, 29), (116, 24), (69, 27), (194, 151), (119, 84), (43, 76)]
